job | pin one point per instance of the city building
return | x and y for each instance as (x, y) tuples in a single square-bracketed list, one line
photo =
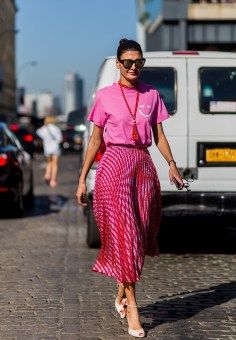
[(45, 104), (189, 24), (73, 93), (29, 105), (40, 105), (7, 60), (26, 103), (147, 11), (20, 94), (57, 105)]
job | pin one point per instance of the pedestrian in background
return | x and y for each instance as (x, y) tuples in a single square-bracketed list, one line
[(127, 196), (52, 137)]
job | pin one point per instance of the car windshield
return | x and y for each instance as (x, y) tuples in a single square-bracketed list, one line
[(217, 89), (164, 79)]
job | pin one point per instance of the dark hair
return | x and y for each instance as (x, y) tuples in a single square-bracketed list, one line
[(128, 45)]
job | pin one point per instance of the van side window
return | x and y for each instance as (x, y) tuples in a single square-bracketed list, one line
[(164, 79), (217, 90)]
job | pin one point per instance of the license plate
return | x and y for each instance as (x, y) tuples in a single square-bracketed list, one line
[(221, 155)]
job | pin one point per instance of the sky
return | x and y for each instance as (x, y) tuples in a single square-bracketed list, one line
[(68, 36)]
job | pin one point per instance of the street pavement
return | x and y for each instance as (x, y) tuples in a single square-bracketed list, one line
[(48, 291)]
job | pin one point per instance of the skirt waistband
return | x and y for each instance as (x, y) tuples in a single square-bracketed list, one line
[(129, 146)]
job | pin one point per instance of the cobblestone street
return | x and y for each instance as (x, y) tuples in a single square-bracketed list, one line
[(48, 291)]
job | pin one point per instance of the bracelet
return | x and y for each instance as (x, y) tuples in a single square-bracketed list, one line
[(172, 160)]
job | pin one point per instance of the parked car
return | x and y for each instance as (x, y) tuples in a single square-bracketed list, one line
[(28, 138), (72, 140), (199, 91), (16, 173), (76, 119)]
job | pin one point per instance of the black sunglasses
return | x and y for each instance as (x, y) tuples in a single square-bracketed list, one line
[(128, 63)]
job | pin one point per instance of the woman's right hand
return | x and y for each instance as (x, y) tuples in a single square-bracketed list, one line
[(81, 194), (92, 149)]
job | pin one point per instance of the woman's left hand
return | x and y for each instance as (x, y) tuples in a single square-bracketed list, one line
[(175, 175)]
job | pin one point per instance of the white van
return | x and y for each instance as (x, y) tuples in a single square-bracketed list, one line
[(199, 91)]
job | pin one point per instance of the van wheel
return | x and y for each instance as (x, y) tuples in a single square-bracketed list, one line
[(93, 238)]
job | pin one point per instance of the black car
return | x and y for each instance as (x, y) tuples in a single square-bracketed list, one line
[(16, 174), (27, 137), (72, 140)]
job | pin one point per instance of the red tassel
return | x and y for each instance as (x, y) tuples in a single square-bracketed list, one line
[(135, 134)]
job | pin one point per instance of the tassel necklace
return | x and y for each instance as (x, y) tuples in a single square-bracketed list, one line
[(135, 134)]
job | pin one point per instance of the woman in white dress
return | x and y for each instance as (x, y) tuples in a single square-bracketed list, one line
[(52, 137)]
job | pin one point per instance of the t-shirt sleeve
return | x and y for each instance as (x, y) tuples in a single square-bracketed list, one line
[(160, 112), (97, 113)]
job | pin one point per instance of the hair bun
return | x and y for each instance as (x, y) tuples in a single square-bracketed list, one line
[(128, 45), (123, 41)]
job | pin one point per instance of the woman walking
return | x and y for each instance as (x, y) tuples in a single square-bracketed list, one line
[(127, 196), (52, 137)]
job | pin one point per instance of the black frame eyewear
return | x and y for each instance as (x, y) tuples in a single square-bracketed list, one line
[(128, 63)]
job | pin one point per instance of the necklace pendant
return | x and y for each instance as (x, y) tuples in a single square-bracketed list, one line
[(135, 134)]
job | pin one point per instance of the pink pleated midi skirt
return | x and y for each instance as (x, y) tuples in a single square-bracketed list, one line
[(127, 210)]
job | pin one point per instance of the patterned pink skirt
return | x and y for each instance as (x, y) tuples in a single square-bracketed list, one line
[(127, 209)]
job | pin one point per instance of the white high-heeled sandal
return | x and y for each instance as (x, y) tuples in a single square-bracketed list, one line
[(137, 333), (120, 307)]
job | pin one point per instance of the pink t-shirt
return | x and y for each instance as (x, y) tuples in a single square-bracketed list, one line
[(110, 112)]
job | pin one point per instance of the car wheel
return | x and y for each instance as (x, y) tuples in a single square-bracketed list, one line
[(93, 238), (19, 203)]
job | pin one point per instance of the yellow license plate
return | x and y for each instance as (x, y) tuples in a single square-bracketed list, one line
[(221, 155)]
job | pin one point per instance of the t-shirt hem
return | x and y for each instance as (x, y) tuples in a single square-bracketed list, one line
[(96, 123), (162, 120)]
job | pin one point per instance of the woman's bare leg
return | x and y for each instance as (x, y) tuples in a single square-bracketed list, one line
[(48, 170), (53, 180), (120, 293), (121, 299), (132, 312)]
